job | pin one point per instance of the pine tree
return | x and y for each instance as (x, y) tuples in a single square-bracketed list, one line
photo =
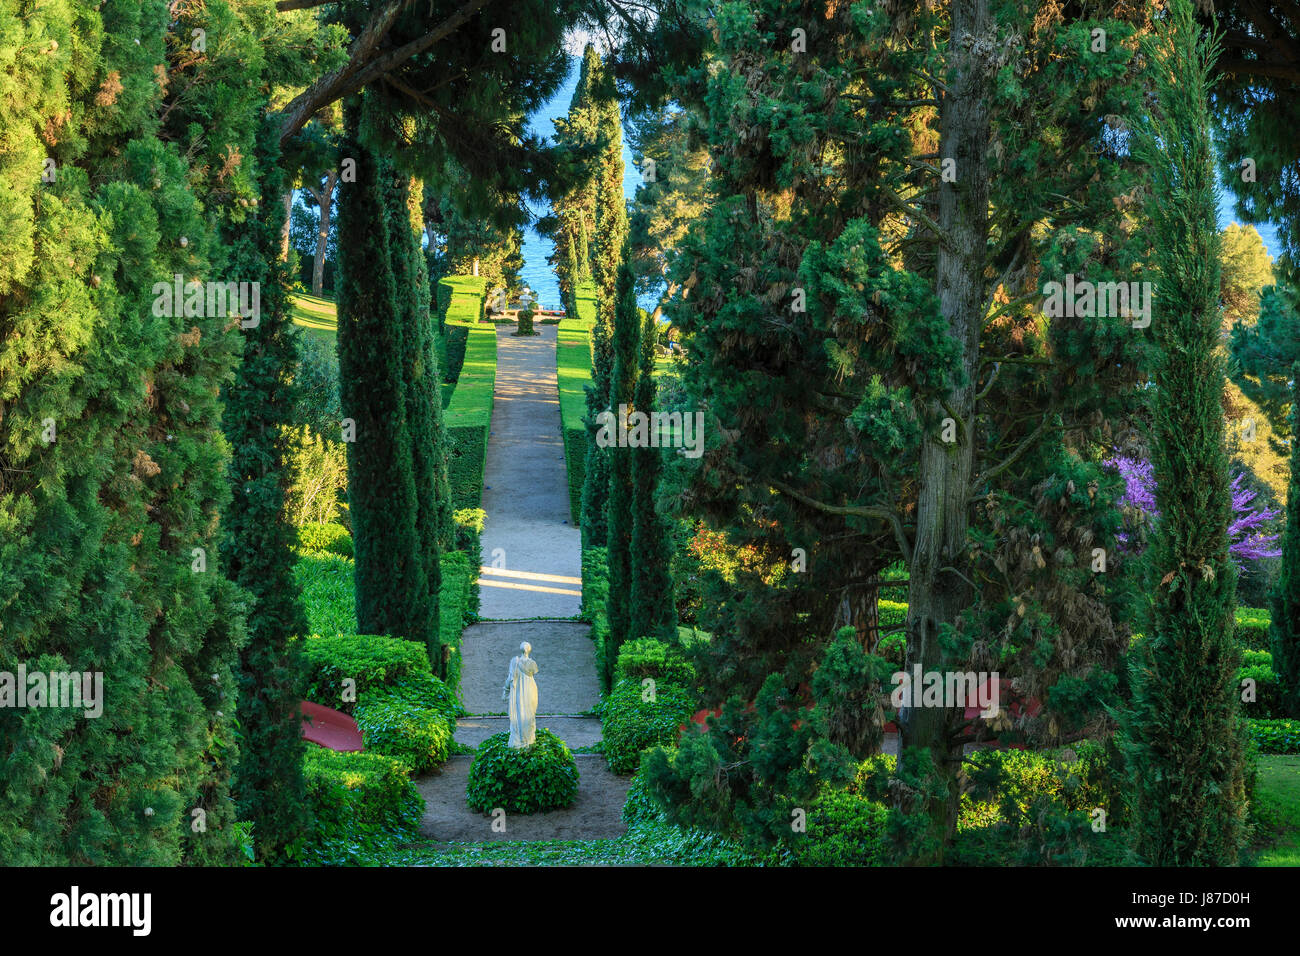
[(1183, 731), (619, 507), (834, 322), (391, 586), (652, 610)]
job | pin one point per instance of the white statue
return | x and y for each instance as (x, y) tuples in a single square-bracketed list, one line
[(521, 691)]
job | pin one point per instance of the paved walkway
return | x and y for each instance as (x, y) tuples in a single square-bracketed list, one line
[(532, 556), (532, 568)]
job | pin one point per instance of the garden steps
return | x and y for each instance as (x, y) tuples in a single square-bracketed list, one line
[(575, 730)]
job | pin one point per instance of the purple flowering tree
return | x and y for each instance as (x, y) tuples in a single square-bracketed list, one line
[(1247, 541)]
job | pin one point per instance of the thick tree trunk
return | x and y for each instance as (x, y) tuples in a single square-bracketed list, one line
[(324, 199), (938, 591)]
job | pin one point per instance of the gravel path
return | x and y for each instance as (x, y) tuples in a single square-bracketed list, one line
[(532, 556), (566, 681), (538, 573), (597, 814)]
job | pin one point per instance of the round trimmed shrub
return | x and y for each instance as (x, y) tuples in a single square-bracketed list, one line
[(330, 537), (630, 724), (843, 830), (525, 323), (524, 780)]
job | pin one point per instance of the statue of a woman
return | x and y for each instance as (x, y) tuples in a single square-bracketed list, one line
[(521, 691)]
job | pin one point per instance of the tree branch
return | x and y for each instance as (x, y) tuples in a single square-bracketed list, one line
[(858, 511), (365, 65)]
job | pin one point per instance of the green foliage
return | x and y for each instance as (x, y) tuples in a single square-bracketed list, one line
[(460, 299), (325, 581), (843, 830), (525, 323), (318, 477), (370, 661), (469, 416), (1281, 736), (595, 598), (531, 779), (458, 605), (333, 538), (258, 406), (635, 716), (619, 500), (1183, 731), (649, 657), (391, 577), (359, 802), (412, 721), (652, 606)]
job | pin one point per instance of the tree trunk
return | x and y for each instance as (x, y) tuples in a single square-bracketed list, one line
[(937, 589), (324, 199), (284, 226)]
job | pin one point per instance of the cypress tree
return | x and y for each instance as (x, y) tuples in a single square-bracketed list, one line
[(653, 613), (270, 788), (420, 393), (606, 258), (1183, 737), (1284, 632), (627, 337), (391, 589)]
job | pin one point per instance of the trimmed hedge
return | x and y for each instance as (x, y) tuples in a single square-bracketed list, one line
[(524, 779), (330, 537), (456, 338), (468, 418), (595, 597), (630, 724), (458, 605), (649, 657), (461, 299), (1276, 736), (359, 802), (573, 369), (413, 721), (372, 661)]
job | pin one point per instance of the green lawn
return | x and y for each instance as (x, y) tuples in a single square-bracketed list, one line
[(1278, 792), (318, 316)]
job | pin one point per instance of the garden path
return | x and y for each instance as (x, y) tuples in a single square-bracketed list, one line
[(531, 589)]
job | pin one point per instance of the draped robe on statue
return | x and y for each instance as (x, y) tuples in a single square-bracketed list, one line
[(521, 690)]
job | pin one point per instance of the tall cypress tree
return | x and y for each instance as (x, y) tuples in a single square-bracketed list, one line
[(622, 393), (1284, 632), (421, 396), (653, 613), (391, 588), (606, 258), (1183, 735), (258, 403)]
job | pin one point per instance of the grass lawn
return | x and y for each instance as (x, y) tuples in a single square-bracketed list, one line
[(1278, 791), (318, 316)]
